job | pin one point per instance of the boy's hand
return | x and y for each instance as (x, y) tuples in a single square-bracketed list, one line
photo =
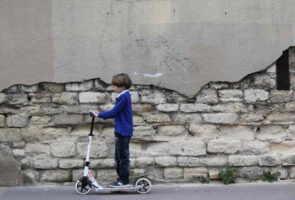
[(94, 113)]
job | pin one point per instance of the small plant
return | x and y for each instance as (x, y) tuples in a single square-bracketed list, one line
[(70, 176), (203, 179), (228, 174), (270, 177)]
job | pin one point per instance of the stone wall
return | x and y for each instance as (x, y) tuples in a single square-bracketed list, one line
[(248, 124)]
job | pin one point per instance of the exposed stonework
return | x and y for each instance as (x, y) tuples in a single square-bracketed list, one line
[(247, 124)]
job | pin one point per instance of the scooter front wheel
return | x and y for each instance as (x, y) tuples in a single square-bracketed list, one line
[(82, 189), (143, 185)]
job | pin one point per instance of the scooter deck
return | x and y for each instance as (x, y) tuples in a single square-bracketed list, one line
[(130, 188)]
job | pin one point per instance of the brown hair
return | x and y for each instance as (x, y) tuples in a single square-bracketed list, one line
[(122, 80)]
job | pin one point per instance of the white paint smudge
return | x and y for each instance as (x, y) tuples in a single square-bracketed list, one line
[(148, 75)]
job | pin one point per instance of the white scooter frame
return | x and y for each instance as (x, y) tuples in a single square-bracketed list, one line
[(87, 182)]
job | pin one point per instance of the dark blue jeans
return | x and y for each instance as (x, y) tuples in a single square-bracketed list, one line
[(122, 157)]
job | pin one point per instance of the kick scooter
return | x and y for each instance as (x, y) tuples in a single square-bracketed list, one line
[(87, 182)]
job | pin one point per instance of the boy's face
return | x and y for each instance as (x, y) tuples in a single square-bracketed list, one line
[(118, 89)]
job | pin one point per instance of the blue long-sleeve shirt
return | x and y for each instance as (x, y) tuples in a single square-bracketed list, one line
[(122, 112)]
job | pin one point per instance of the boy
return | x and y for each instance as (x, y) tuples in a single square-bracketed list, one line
[(122, 112)]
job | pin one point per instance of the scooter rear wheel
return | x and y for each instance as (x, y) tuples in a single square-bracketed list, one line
[(80, 189), (144, 185)]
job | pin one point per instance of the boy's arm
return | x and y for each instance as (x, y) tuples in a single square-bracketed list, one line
[(115, 110)]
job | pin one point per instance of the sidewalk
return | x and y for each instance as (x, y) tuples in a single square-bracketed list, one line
[(284, 190)]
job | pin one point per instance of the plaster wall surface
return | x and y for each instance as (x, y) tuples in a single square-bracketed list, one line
[(176, 44)]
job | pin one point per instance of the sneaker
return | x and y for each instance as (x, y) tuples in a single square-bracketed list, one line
[(118, 184)]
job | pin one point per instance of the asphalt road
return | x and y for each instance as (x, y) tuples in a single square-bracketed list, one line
[(249, 191)]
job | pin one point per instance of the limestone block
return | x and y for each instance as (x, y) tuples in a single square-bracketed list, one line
[(20, 144), (40, 120), (107, 175), (84, 86), (31, 110), (17, 99), (189, 162), (207, 96), (68, 119), (264, 81), (10, 170), (224, 146), (167, 107), (288, 160), (134, 96), (156, 118), (32, 133), (98, 150), (142, 108), (41, 162), (62, 149), (177, 148), (290, 106), (192, 108), (93, 97), (135, 173), (192, 174), (284, 148), (237, 132), (254, 95), (56, 176), (53, 134), (144, 161), (251, 118), (70, 164), (19, 120), (173, 173), (170, 131), (152, 96), (28, 88), (280, 118), (186, 148), (2, 120), (277, 96), (65, 98), (272, 133), (220, 118), (108, 134), (291, 131), (214, 174), (242, 160), (143, 133), (138, 120), (269, 160), (186, 118), (204, 131), (230, 108), (251, 173), (79, 109), (37, 98), (292, 172), (51, 87), (37, 148), (103, 163), (255, 147), (18, 152), (10, 135), (212, 161), (51, 109), (2, 98), (166, 161), (230, 95)]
